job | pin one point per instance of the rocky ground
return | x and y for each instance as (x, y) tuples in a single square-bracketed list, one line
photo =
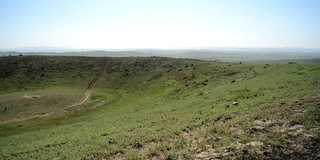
[(280, 136)]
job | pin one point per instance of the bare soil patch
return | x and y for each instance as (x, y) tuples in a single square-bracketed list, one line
[(31, 96)]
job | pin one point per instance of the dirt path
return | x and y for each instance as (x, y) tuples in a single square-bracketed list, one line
[(81, 101), (91, 84)]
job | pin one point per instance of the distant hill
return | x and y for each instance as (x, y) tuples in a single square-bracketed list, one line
[(215, 54), (41, 49)]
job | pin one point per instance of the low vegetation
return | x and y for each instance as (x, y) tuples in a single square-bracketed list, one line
[(158, 108)]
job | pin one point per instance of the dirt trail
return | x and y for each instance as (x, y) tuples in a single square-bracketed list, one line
[(81, 101), (91, 84)]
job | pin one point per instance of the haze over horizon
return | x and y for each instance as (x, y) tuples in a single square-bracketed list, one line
[(114, 24)]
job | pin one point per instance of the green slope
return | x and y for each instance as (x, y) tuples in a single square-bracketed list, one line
[(144, 108)]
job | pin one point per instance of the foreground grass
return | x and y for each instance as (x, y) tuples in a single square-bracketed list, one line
[(159, 108)]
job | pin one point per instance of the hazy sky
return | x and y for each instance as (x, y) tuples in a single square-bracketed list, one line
[(159, 23)]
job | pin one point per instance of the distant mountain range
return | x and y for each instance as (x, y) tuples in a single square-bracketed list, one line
[(157, 50), (215, 54), (42, 49)]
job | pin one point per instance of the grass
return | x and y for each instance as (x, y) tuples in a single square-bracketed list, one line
[(146, 101), (20, 106)]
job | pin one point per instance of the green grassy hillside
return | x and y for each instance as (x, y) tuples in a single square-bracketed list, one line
[(161, 108)]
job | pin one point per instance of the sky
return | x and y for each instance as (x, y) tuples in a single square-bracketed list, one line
[(111, 24)]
